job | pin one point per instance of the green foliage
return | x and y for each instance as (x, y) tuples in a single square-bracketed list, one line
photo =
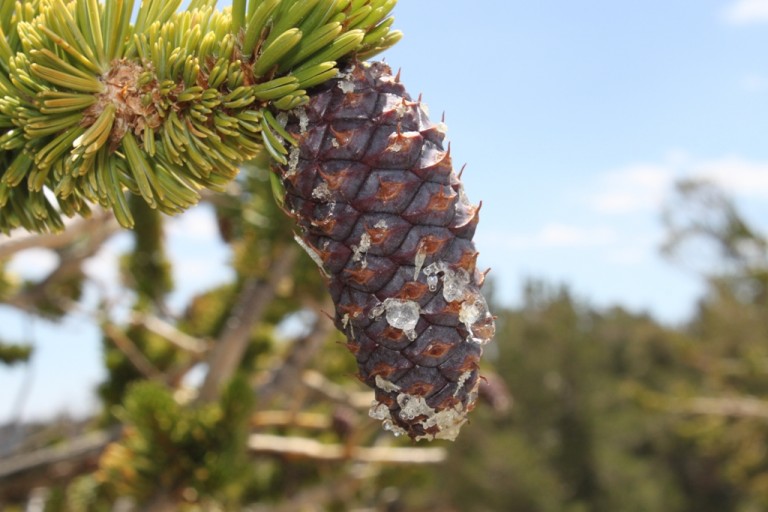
[(614, 411), (94, 103), (122, 372), (206, 317), (8, 284), (11, 354), (147, 264), (254, 226), (607, 412), (184, 452), (54, 298)]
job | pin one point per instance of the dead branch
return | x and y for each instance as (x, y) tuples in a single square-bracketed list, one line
[(132, 352), (286, 377), (318, 383), (74, 230), (225, 356), (309, 448), (180, 339), (72, 256), (46, 466), (307, 420), (736, 407)]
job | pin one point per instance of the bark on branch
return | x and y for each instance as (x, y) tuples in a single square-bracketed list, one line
[(312, 449), (286, 376), (180, 339), (737, 407), (251, 305), (82, 242), (74, 230), (132, 352), (47, 466), (318, 383)]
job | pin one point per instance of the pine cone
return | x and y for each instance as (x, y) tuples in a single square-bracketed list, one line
[(381, 211)]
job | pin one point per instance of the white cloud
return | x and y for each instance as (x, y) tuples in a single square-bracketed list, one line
[(642, 188), (738, 176), (632, 189), (743, 12), (563, 235), (553, 236)]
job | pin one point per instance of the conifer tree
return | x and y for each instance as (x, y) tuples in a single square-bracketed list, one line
[(98, 107)]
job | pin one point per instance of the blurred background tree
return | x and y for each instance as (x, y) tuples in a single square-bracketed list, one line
[(610, 410)]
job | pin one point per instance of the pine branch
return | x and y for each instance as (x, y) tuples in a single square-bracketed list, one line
[(170, 333), (95, 103), (42, 296), (251, 304), (318, 383), (21, 241), (132, 352), (21, 473), (734, 407), (311, 449), (305, 420), (287, 375)]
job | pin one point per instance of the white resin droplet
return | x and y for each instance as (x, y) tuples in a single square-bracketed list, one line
[(377, 310), (455, 284), (386, 385), (390, 426), (469, 314), (360, 250), (322, 192), (303, 119), (418, 261), (402, 314), (448, 421), (293, 161), (462, 380), (346, 87), (379, 411), (475, 316), (413, 406)]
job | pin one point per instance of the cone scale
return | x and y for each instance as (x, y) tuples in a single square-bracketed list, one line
[(380, 209)]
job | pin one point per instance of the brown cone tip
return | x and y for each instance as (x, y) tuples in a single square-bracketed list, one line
[(381, 211)]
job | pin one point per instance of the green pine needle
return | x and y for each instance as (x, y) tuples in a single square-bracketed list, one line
[(95, 104)]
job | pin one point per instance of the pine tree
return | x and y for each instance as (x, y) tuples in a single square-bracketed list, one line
[(97, 106)]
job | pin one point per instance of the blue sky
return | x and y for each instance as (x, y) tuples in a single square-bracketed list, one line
[(574, 120), (576, 117)]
